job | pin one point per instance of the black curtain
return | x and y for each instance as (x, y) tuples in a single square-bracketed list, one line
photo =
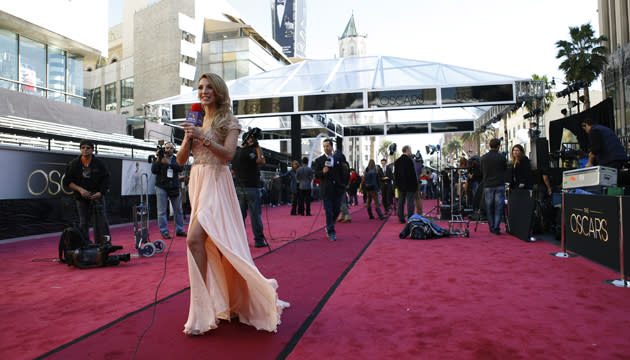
[(602, 113)]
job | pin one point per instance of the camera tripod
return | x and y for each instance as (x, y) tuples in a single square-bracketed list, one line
[(438, 196)]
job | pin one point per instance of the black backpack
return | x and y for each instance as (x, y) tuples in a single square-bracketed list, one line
[(71, 239)]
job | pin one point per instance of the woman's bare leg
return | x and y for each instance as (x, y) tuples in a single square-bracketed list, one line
[(196, 242)]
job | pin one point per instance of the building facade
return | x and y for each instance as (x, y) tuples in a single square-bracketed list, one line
[(161, 48), (613, 23), (44, 45)]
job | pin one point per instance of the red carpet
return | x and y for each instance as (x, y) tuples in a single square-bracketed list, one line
[(487, 297), (484, 297), (86, 300)]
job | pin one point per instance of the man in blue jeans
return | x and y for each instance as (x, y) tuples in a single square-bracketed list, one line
[(493, 167), (88, 176), (246, 170), (167, 186)]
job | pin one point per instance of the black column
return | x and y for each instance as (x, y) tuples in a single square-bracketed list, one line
[(339, 142), (296, 139)]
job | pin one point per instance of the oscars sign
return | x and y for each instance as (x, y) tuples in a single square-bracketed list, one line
[(592, 227)]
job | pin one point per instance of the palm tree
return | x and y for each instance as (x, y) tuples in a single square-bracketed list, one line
[(584, 57), (454, 147), (477, 137), (383, 149)]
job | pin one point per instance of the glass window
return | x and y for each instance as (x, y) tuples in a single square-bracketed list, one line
[(8, 59), (74, 100), (242, 69), (229, 70), (56, 73), (217, 68), (223, 35), (216, 47), (93, 99), (186, 36), (32, 66), (75, 74), (110, 97), (126, 92)]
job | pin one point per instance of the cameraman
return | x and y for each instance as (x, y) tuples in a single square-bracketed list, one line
[(166, 169), (246, 170), (89, 178)]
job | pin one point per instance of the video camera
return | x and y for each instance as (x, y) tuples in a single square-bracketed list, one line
[(254, 135), (93, 255), (418, 156), (159, 152)]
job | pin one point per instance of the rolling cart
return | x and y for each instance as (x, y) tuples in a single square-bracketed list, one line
[(457, 226), (141, 213)]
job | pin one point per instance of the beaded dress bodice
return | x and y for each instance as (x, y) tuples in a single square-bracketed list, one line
[(203, 155)]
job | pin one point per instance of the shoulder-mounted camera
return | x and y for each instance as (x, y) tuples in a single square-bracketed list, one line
[(252, 135)]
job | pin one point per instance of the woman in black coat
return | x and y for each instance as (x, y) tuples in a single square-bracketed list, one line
[(521, 169)]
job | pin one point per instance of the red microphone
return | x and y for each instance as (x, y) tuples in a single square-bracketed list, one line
[(195, 115)]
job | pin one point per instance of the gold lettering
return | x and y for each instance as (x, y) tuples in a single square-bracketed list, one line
[(63, 188), (28, 184), (604, 223), (53, 182), (584, 225)]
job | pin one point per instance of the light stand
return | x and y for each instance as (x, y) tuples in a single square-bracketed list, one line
[(432, 149)]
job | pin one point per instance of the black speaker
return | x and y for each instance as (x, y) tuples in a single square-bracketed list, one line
[(520, 214), (445, 212), (539, 156)]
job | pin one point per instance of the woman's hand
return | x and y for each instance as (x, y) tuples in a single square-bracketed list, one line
[(192, 132)]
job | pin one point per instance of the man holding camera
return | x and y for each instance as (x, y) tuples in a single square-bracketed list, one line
[(246, 170), (167, 185), (89, 178)]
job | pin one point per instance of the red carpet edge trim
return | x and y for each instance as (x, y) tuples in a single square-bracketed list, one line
[(320, 305)]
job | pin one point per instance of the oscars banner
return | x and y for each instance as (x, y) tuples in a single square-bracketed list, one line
[(592, 227), (34, 200)]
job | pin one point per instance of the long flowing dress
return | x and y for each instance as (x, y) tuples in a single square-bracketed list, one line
[(234, 286)]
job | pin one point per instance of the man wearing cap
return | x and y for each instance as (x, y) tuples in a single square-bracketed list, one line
[(89, 178)]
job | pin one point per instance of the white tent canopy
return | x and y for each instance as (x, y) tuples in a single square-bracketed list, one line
[(356, 96)]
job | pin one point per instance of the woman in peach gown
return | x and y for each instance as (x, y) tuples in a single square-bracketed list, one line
[(224, 281)]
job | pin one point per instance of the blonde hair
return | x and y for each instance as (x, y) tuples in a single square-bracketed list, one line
[(223, 113)]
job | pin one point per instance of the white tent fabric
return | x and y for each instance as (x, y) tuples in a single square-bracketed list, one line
[(360, 73), (361, 91)]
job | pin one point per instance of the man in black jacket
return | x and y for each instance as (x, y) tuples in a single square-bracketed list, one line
[(386, 190), (246, 164), (167, 186), (89, 178), (493, 166), (406, 182), (332, 170)]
